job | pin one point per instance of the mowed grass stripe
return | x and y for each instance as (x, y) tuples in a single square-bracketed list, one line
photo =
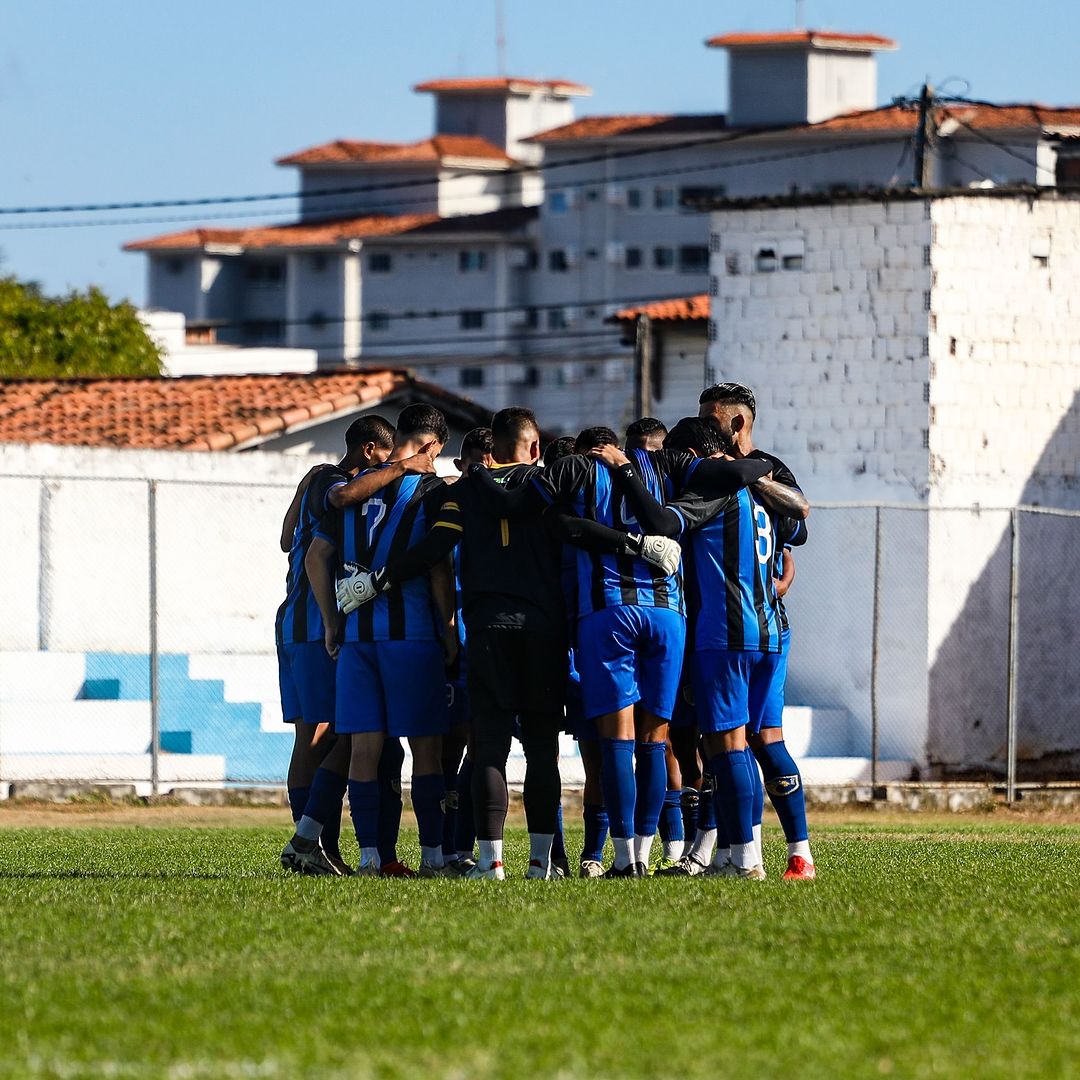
[(185, 952)]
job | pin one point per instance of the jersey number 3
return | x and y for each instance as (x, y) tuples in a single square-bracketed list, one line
[(764, 537)]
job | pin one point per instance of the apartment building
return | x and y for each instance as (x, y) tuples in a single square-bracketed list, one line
[(492, 256)]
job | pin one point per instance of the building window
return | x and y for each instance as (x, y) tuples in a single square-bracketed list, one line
[(175, 266), (317, 320), (556, 318), (380, 262), (792, 262), (317, 262), (765, 260), (264, 332), (265, 274), (471, 320), (378, 320), (692, 196), (634, 259), (558, 202), (558, 262), (471, 377), (663, 258), (663, 198), (472, 261), (634, 201), (731, 263), (693, 259)]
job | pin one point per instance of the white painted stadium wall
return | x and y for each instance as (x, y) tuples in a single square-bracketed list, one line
[(922, 351)]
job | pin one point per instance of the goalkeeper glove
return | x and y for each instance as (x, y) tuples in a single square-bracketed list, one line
[(359, 587), (661, 551)]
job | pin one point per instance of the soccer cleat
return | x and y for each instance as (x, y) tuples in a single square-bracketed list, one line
[(338, 863), (368, 870), (661, 552), (631, 870), (307, 857), (562, 866), (590, 868), (494, 872), (730, 870), (459, 867), (798, 869), (427, 870), (538, 872), (664, 865), (687, 866), (396, 869)]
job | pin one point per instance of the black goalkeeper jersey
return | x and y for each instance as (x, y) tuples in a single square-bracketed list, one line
[(510, 569)]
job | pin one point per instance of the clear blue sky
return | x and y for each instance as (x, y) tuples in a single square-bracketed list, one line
[(115, 101)]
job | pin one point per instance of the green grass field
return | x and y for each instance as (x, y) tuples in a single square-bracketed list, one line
[(940, 949)]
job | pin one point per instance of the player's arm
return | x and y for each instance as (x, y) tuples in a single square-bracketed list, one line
[(787, 576), (655, 518), (779, 491), (318, 563), (791, 532), (292, 515), (600, 539), (515, 504), (360, 488), (441, 576), (716, 478)]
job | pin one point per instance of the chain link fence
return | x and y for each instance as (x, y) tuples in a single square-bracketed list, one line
[(137, 640)]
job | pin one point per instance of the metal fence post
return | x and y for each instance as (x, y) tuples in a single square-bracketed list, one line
[(1014, 597), (874, 656), (155, 719)]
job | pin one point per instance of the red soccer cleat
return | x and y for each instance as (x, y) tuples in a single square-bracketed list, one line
[(798, 869), (399, 869)]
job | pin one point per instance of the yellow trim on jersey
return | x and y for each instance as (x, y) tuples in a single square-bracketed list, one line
[(451, 506), (504, 529), (447, 525)]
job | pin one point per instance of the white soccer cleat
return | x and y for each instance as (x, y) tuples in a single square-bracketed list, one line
[(662, 552), (494, 872), (730, 870), (355, 589), (687, 866), (300, 859), (539, 872), (590, 868)]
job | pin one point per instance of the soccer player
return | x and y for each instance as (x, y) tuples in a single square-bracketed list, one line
[(733, 409), (390, 654), (305, 671), (631, 625), (648, 433)]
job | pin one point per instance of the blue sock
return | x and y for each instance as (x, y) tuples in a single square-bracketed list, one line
[(427, 796), (465, 828), (298, 797), (596, 830), (734, 795), (688, 805), (651, 780), (617, 780), (364, 810), (759, 787), (558, 845), (671, 820), (324, 805), (783, 782), (390, 762), (706, 814)]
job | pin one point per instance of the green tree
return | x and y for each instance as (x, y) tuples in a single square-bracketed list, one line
[(80, 334)]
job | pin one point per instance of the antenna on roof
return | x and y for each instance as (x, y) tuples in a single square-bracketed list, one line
[(799, 21), (500, 38)]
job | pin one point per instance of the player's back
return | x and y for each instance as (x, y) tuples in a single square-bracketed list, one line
[(730, 590), (298, 619), (382, 528)]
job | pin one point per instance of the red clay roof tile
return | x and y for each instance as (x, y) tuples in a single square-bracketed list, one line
[(685, 309), (468, 85), (433, 151), (800, 37)]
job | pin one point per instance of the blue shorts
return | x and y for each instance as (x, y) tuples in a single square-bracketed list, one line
[(628, 655), (306, 682), (457, 702), (397, 687), (771, 710), (734, 687)]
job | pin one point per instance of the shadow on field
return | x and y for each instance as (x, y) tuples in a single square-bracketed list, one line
[(115, 875)]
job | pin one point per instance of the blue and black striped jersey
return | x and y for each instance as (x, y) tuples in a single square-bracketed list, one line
[(298, 619), (590, 489), (382, 528)]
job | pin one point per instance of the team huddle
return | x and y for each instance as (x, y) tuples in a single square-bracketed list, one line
[(631, 596)]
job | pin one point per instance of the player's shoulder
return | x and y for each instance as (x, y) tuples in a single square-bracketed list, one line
[(780, 471)]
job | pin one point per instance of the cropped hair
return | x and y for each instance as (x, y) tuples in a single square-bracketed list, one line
[(646, 426), (417, 420), (370, 429), (693, 433), (510, 426), (592, 437), (730, 393), (558, 448), (477, 439)]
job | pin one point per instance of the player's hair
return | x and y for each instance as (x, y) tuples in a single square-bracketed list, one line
[(646, 426), (370, 429), (693, 433), (558, 448), (511, 426), (592, 437), (477, 439), (730, 393), (419, 419)]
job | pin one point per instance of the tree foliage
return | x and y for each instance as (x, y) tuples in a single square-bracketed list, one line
[(80, 334)]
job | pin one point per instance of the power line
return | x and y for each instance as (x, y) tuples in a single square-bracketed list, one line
[(340, 213), (994, 142), (394, 185)]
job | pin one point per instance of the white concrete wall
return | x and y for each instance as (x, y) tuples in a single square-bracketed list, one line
[(839, 82)]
